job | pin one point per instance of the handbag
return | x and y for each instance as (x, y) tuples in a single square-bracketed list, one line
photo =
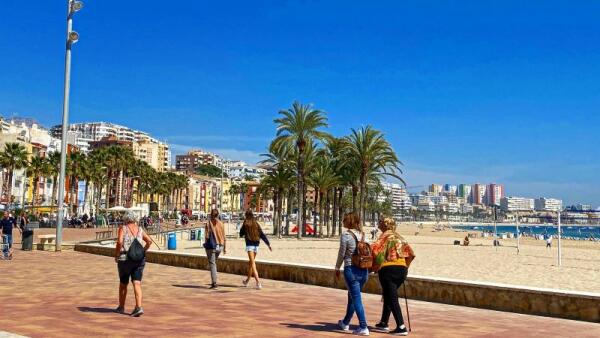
[(211, 241), (136, 252)]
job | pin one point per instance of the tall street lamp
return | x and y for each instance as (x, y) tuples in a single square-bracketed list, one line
[(73, 6)]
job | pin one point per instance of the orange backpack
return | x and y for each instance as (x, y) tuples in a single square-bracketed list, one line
[(363, 255)]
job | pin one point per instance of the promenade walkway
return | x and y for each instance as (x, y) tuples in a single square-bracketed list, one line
[(47, 294)]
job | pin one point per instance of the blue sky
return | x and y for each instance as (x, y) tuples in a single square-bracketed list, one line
[(466, 91)]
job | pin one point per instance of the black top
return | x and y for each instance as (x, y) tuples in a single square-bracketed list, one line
[(250, 242), (7, 225)]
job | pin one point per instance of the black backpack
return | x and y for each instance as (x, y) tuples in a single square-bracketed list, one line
[(136, 252)]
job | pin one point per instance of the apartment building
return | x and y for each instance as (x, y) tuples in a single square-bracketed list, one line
[(517, 204), (548, 204)]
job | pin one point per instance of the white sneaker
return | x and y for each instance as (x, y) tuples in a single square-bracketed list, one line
[(361, 332), (343, 326), (258, 286)]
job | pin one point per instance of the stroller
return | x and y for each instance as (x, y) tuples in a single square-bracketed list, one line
[(4, 248)]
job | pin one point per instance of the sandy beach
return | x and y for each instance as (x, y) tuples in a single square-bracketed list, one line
[(437, 256)]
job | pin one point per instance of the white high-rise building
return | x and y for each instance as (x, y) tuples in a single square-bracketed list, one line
[(517, 204), (548, 204), (398, 195)]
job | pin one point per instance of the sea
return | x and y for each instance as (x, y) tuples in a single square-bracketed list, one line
[(567, 231)]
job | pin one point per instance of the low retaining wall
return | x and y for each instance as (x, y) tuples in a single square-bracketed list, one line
[(535, 301)]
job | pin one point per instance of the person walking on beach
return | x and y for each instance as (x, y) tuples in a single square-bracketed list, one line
[(354, 276), (214, 243), (548, 242), (130, 259), (252, 233), (392, 256)]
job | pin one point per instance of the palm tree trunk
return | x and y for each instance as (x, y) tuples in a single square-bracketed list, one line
[(334, 217), (108, 187), (362, 199), (34, 193), (354, 198), (280, 211), (299, 219), (341, 211), (54, 189), (288, 212), (327, 211), (275, 231), (85, 195), (317, 213)]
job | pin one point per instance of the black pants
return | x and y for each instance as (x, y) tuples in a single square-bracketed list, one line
[(391, 278)]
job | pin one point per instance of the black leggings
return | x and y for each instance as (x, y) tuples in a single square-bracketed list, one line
[(391, 278)]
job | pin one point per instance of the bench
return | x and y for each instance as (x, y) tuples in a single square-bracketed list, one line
[(46, 239), (104, 234)]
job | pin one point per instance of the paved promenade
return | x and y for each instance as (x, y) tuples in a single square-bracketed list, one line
[(46, 294)]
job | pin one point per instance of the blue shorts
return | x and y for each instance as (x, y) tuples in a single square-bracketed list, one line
[(253, 248)]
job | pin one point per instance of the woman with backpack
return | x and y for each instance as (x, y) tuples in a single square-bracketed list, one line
[(130, 257), (214, 243), (355, 254), (252, 233), (392, 256)]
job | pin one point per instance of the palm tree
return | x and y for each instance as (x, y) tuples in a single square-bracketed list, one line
[(75, 164), (323, 178), (281, 178), (13, 157), (38, 168), (298, 126), (54, 162), (375, 156)]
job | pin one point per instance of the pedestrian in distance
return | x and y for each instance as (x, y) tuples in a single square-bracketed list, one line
[(392, 256), (548, 242), (214, 243), (252, 234), (355, 276), (130, 257), (7, 224)]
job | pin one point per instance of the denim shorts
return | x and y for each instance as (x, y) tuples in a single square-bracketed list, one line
[(253, 248)]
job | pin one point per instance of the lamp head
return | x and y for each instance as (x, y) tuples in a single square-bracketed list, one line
[(73, 37), (76, 6)]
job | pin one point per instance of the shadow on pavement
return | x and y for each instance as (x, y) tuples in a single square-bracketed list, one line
[(96, 309), (207, 287), (319, 327)]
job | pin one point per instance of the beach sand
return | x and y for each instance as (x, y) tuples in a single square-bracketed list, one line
[(534, 266)]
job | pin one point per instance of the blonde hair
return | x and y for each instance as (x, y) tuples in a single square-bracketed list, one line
[(388, 224), (352, 221)]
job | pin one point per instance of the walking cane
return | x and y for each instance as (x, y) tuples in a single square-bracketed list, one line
[(406, 302)]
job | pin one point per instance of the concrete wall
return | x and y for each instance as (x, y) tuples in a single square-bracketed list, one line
[(545, 302)]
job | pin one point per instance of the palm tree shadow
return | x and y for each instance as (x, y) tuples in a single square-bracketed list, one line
[(318, 327)]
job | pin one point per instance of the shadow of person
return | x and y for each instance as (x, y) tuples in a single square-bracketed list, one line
[(318, 327), (207, 286), (95, 309)]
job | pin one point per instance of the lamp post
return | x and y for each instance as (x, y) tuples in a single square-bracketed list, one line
[(73, 6), (518, 235), (559, 244)]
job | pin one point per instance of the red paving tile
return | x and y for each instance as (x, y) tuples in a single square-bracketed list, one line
[(46, 294)]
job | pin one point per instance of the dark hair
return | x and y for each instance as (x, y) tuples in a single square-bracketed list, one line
[(214, 213), (352, 221), (252, 226)]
